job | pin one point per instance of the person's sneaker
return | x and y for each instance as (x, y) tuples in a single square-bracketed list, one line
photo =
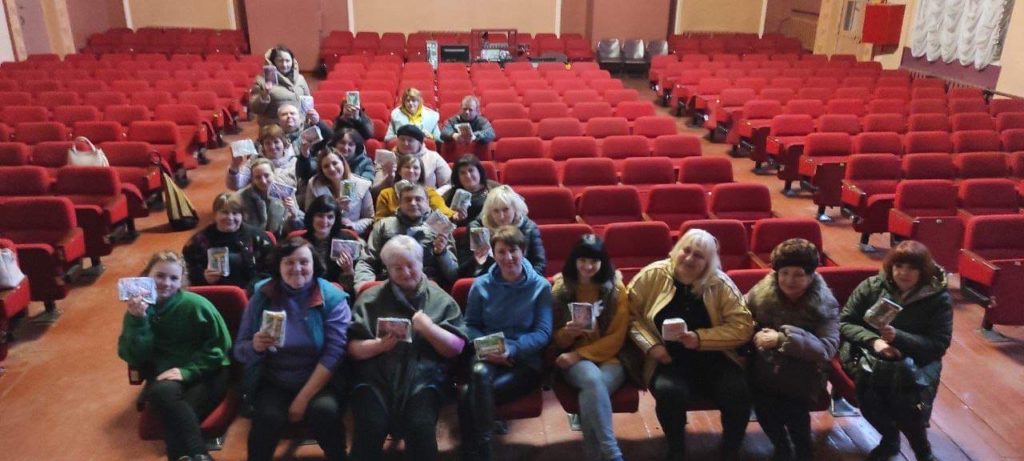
[(866, 247), (824, 218)]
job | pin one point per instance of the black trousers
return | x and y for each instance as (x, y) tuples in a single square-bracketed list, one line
[(489, 385), (270, 417), (181, 407), (417, 423), (784, 419), (718, 379), (891, 411)]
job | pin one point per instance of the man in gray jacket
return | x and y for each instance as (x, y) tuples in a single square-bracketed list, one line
[(439, 263)]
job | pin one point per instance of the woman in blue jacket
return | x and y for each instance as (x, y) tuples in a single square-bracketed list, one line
[(515, 300)]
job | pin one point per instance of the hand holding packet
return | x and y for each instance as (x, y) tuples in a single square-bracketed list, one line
[(461, 199), (440, 224), (280, 191), (352, 98), (479, 237), (311, 135), (217, 260), (273, 325), (137, 287), (350, 247), (385, 157), (673, 329), (244, 148), (882, 313), (269, 75), (584, 315), (395, 327), (306, 103), (492, 344)]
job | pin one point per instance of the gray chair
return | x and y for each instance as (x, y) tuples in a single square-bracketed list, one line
[(633, 58), (609, 54), (656, 48)]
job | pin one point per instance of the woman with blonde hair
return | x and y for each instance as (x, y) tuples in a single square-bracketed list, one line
[(503, 207), (413, 112), (182, 346), (687, 319)]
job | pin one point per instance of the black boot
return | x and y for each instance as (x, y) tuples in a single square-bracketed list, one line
[(886, 449)]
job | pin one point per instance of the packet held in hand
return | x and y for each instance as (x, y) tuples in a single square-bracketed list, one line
[(352, 98), (461, 199), (135, 287), (384, 157), (440, 224), (584, 315), (270, 75), (492, 344), (882, 313), (311, 135), (350, 247), (306, 104), (243, 148), (280, 191), (217, 260), (348, 189), (479, 237), (465, 131), (673, 329), (273, 325), (394, 326)]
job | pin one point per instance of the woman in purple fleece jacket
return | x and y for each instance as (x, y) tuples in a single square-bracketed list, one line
[(292, 382)]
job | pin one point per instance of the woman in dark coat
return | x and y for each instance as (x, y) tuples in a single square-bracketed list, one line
[(897, 364), (797, 319), (247, 247)]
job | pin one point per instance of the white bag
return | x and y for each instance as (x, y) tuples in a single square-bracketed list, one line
[(10, 273), (91, 157)]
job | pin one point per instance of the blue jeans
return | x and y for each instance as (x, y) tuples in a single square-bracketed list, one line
[(596, 384)]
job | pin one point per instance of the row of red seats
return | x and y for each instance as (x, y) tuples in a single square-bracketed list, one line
[(870, 181), (482, 80), (168, 40), (388, 92), (343, 43), (732, 43), (667, 66), (135, 162), (361, 65), (130, 62)]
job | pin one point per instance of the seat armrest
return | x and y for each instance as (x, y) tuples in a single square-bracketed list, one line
[(976, 268)]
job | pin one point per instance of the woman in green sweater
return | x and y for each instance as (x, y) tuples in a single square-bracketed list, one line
[(181, 343)]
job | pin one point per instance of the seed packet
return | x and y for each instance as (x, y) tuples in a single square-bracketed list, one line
[(134, 287), (672, 329), (244, 148), (273, 325), (353, 248), (280, 191), (440, 224), (217, 260), (306, 103), (882, 313), (479, 237), (311, 135), (352, 98), (583, 314), (394, 326), (465, 131), (461, 199), (493, 344), (348, 189), (270, 75)]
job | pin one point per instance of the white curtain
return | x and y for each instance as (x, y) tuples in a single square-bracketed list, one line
[(967, 31)]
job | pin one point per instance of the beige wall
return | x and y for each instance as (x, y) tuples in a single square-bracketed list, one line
[(890, 57), (88, 17), (575, 17), (718, 15), (58, 26), (407, 16), (646, 19), (334, 17), (793, 18), (1011, 78), (214, 14)]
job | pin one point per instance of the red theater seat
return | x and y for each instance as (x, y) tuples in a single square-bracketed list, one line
[(925, 210)]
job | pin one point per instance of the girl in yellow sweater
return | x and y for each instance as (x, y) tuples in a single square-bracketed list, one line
[(591, 342), (410, 168)]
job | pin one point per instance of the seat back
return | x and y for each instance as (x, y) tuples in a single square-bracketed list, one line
[(549, 204), (926, 197), (733, 246), (559, 240)]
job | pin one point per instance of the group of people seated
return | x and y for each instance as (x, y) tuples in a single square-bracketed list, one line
[(680, 328)]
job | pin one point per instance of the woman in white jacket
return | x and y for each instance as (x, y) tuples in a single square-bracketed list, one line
[(413, 112)]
